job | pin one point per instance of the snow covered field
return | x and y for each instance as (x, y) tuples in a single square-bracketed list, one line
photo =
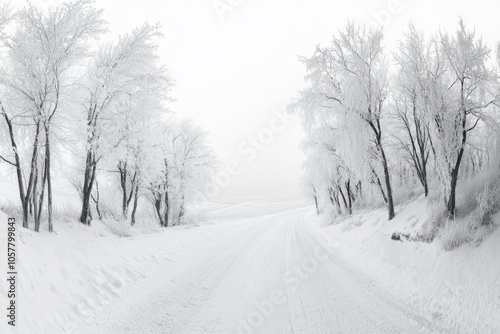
[(270, 272)]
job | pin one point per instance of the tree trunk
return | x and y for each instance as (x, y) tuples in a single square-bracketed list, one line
[(316, 203), (88, 182), (426, 188), (157, 205), (451, 198), (450, 205), (349, 197), (378, 135), (38, 211), (181, 211), (96, 200), (34, 197), (49, 178), (381, 188), (454, 172), (390, 202), (167, 208), (133, 187), (123, 184), (17, 165), (337, 200), (30, 197), (343, 197), (134, 209)]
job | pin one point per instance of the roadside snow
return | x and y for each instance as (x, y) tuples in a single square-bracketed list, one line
[(459, 289), (65, 276)]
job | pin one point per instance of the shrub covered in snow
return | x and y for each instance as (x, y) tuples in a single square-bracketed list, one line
[(118, 227), (455, 233)]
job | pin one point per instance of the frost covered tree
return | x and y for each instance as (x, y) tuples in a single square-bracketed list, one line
[(194, 163), (461, 102), (186, 164), (42, 55), (348, 80), (100, 109), (119, 71), (135, 155), (411, 102), (331, 178)]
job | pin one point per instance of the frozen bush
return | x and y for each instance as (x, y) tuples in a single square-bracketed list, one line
[(437, 217), (487, 203), (118, 227), (455, 233), (66, 212), (11, 210), (147, 222)]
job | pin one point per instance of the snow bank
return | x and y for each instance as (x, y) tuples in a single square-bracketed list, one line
[(66, 276), (459, 289)]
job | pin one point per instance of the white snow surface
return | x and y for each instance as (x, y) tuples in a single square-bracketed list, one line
[(458, 290), (273, 271)]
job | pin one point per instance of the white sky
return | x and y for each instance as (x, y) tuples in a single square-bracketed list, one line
[(233, 72)]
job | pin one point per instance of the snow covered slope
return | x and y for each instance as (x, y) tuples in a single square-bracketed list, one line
[(66, 276), (458, 289)]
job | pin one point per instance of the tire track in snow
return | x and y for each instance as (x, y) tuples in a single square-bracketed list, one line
[(225, 277)]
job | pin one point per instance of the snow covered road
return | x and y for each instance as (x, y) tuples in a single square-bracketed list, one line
[(272, 274)]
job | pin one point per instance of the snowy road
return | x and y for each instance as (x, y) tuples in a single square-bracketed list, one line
[(273, 274)]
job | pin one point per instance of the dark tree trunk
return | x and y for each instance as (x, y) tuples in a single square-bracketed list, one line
[(390, 202), (127, 195), (34, 197), (343, 196), (316, 204), (123, 183), (450, 205), (167, 198), (133, 187), (49, 178), (90, 165), (38, 211), (134, 209), (334, 199), (420, 141), (17, 165), (426, 188), (381, 188), (349, 197), (88, 182), (30, 197), (377, 130), (157, 205)]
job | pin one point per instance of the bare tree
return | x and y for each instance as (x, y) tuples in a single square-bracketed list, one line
[(411, 102)]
